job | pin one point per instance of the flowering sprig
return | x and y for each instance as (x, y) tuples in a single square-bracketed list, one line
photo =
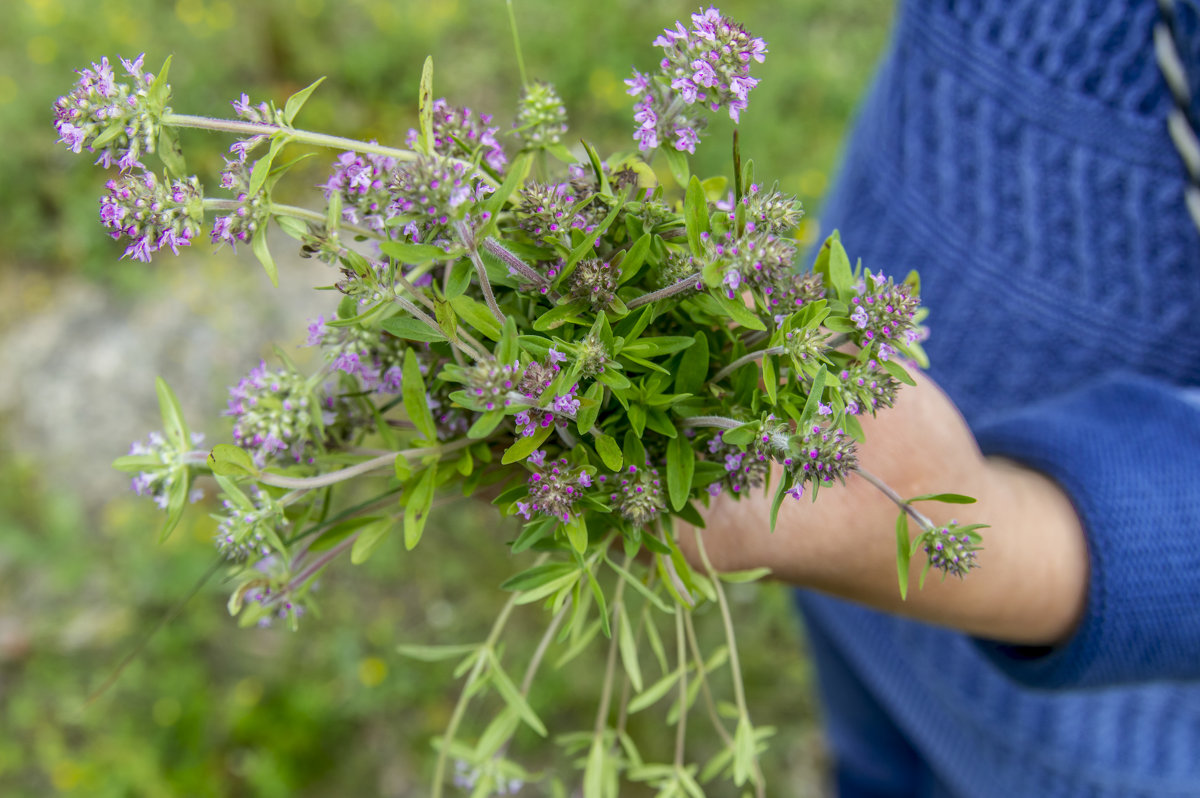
[(609, 354)]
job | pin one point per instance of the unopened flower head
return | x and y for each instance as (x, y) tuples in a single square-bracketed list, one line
[(251, 213), (541, 117), (361, 182), (806, 343), (459, 133), (678, 266), (951, 550), (154, 215), (771, 211), (636, 493), (554, 488), (245, 528), (275, 415), (114, 119), (593, 356), (594, 281), (489, 383), (820, 454), (546, 210)]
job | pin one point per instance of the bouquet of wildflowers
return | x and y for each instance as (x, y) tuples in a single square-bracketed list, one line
[(604, 343)]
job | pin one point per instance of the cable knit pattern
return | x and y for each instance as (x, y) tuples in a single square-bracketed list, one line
[(1015, 152)]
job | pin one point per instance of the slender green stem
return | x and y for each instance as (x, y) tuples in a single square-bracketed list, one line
[(375, 463), (918, 516), (512, 23), (610, 667), (304, 137), (709, 701), (464, 698), (681, 729), (743, 360), (735, 668)]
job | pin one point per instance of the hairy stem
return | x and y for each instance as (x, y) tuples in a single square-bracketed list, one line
[(520, 267), (693, 282), (468, 240), (744, 359), (375, 463), (720, 422), (303, 136)]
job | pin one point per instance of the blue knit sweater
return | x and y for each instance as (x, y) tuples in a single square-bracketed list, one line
[(1015, 152)]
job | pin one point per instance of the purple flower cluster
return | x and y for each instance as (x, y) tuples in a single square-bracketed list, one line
[(951, 551), (548, 210), (114, 118), (374, 358), (157, 482), (273, 590), (251, 213), (554, 487), (884, 313), (154, 215), (706, 65), (805, 343), (430, 192), (459, 133), (534, 381), (489, 383), (361, 181), (261, 114), (636, 493), (770, 212), (821, 454), (541, 117), (744, 470), (866, 386), (274, 415)]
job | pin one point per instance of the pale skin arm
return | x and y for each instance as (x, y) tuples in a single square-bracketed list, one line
[(1031, 586)]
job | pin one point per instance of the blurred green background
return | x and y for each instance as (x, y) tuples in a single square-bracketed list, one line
[(206, 708)]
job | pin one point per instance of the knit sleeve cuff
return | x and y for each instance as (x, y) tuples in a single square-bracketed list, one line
[(1127, 453)]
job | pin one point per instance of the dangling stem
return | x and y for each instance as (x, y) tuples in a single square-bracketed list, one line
[(610, 667), (681, 729), (922, 520), (333, 477)]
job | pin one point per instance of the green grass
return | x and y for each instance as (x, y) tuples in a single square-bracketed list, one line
[(206, 708)]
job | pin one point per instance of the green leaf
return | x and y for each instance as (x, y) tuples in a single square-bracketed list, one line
[(443, 314), (230, 461), (677, 163), (413, 254), (744, 753), (518, 170), (945, 498), (660, 345), (576, 532), (740, 436), (739, 312), (369, 537), (902, 552), (634, 451), (681, 466), (435, 653), (739, 577), (653, 693), (339, 532), (460, 278), (634, 258), (262, 167), (137, 462), (614, 379), (558, 316), (609, 451), (170, 153), (297, 100), (478, 315), (538, 575), (258, 245), (510, 342), (814, 395), (159, 91), (416, 403), (628, 648), (695, 215), (841, 276), (512, 696), (693, 368), (640, 587), (777, 500), (486, 424), (411, 329), (770, 380), (897, 371), (425, 108), (589, 240), (174, 426), (637, 419), (176, 502), (589, 410), (416, 511), (526, 446)]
